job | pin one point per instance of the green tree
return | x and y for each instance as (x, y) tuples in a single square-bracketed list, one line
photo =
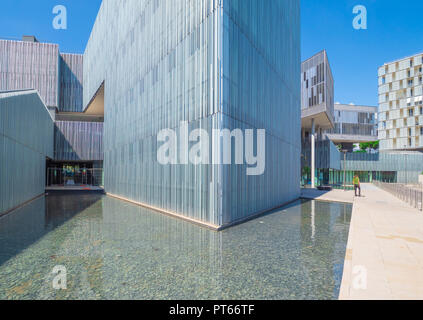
[(369, 145)]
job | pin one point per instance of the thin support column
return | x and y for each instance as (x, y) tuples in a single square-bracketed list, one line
[(313, 157)]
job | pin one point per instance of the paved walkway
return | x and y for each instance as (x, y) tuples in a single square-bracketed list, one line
[(334, 195), (386, 242), (384, 258)]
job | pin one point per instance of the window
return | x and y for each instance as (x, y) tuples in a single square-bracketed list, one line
[(421, 131), (410, 111), (409, 73), (410, 83), (421, 110)]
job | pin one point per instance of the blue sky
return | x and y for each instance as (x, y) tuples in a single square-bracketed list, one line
[(395, 30)]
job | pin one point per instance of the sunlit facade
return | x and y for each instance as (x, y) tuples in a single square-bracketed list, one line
[(215, 65), (401, 104)]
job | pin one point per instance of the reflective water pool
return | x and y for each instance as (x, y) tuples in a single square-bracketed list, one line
[(115, 250)]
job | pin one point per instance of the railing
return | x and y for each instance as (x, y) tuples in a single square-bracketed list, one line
[(412, 196), (81, 177)]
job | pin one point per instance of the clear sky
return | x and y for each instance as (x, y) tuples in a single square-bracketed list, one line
[(395, 30)]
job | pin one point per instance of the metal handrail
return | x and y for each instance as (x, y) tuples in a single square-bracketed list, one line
[(403, 192)]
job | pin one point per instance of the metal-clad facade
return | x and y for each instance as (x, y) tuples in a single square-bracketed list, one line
[(78, 141), (407, 165), (163, 62), (261, 90), (26, 139), (71, 80), (317, 84), (30, 65), (327, 155)]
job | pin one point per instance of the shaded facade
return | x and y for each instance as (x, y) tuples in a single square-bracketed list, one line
[(26, 140), (214, 65), (78, 141), (71, 80)]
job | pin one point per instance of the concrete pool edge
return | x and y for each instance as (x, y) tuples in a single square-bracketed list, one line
[(9, 211)]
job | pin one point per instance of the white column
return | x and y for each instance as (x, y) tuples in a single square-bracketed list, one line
[(313, 157)]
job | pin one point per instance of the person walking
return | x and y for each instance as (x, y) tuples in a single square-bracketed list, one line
[(356, 183)]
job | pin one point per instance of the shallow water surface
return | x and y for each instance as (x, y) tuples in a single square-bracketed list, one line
[(115, 250)]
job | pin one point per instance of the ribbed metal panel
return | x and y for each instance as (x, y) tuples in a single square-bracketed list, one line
[(407, 165), (164, 62), (261, 90), (30, 65), (26, 139), (71, 80), (327, 155), (78, 141)]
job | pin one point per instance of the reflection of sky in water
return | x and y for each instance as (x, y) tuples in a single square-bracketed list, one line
[(116, 250)]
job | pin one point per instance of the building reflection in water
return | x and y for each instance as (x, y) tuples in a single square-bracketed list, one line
[(116, 250)]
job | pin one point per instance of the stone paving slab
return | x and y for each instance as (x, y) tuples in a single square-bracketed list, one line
[(385, 245), (334, 195)]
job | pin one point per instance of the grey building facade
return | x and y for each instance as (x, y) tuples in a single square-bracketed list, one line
[(210, 64), (58, 78), (353, 124), (26, 141)]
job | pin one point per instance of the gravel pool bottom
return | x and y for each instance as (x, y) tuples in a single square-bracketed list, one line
[(116, 250)]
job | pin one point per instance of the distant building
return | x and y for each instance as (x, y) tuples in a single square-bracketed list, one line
[(353, 124), (317, 107), (401, 104), (38, 73)]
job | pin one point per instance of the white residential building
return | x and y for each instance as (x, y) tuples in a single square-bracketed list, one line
[(401, 104)]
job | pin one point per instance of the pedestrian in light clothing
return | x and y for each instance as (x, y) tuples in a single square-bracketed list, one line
[(356, 183)]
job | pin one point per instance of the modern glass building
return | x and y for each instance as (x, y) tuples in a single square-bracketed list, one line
[(212, 65)]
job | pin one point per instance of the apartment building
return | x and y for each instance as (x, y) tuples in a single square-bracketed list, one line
[(401, 104)]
